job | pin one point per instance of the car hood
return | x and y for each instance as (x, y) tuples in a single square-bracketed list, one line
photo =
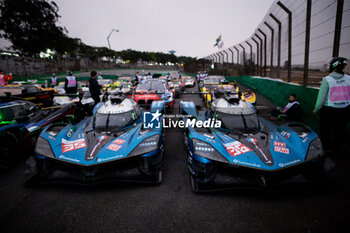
[(81, 145)]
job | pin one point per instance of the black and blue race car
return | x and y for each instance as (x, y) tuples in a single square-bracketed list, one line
[(113, 145), (20, 124), (244, 150)]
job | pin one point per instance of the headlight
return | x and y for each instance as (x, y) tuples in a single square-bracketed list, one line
[(147, 145), (315, 150), (207, 151), (43, 147)]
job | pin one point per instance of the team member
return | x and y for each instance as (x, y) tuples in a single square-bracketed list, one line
[(70, 85), (53, 80), (94, 87), (4, 78), (333, 104), (290, 112)]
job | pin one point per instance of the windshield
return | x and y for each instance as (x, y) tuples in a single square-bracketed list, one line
[(9, 113), (239, 122), (113, 122), (148, 86)]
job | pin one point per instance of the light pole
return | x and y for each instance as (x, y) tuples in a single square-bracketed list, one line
[(113, 30)]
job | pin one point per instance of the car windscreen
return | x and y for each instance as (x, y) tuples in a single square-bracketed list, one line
[(106, 122), (239, 122), (148, 86), (9, 113)]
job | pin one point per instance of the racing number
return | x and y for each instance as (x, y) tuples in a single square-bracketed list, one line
[(237, 148)]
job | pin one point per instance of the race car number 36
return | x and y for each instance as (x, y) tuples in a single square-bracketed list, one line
[(236, 148)]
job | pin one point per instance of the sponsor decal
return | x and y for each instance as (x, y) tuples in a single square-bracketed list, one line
[(110, 158), (280, 144), (210, 140), (209, 136), (306, 139), (119, 141), (281, 147), (236, 148), (285, 134), (245, 163), (70, 133), (70, 159), (72, 145), (114, 147), (289, 163), (282, 150)]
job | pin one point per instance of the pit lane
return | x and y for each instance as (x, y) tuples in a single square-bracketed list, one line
[(171, 206)]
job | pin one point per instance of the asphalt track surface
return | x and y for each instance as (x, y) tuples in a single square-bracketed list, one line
[(171, 206)]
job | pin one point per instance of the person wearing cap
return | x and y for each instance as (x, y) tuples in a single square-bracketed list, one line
[(333, 105), (53, 80), (70, 84), (4, 78)]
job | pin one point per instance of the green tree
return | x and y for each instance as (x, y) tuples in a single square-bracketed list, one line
[(31, 27)]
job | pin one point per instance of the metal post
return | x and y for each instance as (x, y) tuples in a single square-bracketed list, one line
[(289, 38), (261, 54), (232, 55), (272, 39), (251, 51), (257, 56), (216, 58), (279, 44), (237, 54), (307, 42), (264, 50), (243, 54), (337, 29), (226, 55)]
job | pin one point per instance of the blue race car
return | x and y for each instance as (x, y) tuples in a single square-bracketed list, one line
[(20, 124), (111, 145), (243, 150)]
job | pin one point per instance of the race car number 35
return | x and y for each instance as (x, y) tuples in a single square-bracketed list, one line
[(72, 145), (236, 148)]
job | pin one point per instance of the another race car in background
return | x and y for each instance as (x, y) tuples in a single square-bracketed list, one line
[(153, 90), (30, 93), (20, 124), (112, 145), (245, 150), (176, 87), (188, 81)]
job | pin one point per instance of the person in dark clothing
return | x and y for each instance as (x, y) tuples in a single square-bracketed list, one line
[(94, 87), (290, 112)]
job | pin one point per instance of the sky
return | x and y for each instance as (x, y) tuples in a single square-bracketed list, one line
[(190, 27)]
